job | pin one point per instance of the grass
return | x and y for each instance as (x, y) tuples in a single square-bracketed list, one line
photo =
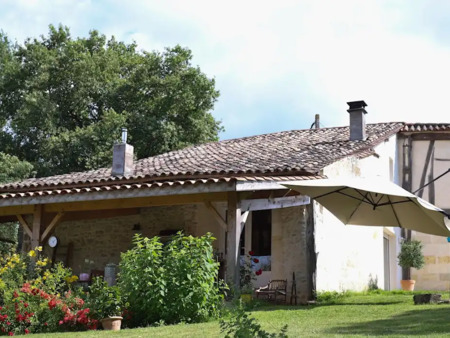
[(348, 315)]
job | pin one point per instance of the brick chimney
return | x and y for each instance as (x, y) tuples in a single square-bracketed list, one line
[(123, 157), (357, 120)]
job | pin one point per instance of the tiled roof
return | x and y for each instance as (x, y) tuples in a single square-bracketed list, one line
[(296, 152), (163, 184), (424, 127)]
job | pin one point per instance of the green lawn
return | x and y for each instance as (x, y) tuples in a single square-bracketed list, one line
[(355, 316)]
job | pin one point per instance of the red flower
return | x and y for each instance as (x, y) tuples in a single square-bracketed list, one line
[(27, 331), (45, 324), (258, 272), (251, 253), (25, 304), (61, 322), (10, 333), (256, 260), (52, 304)]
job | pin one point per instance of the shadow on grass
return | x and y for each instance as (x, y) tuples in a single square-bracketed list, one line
[(410, 323), (362, 303), (267, 306)]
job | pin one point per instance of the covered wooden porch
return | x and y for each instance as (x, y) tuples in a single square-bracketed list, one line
[(228, 203)]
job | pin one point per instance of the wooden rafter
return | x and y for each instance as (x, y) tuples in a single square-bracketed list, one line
[(24, 225), (36, 231), (55, 221), (244, 217), (274, 203), (216, 215)]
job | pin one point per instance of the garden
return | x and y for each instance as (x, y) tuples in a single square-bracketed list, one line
[(377, 313), (157, 285), (171, 290)]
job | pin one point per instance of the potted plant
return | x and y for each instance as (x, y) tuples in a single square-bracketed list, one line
[(410, 256), (106, 303)]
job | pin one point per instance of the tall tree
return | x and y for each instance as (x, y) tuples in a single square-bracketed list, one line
[(63, 100), (11, 169)]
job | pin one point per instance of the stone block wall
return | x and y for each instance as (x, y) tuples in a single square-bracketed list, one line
[(435, 275), (103, 240), (289, 248)]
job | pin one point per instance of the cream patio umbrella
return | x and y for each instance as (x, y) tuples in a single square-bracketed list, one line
[(375, 202)]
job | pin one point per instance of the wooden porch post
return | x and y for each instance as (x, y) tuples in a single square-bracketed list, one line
[(36, 231), (233, 236)]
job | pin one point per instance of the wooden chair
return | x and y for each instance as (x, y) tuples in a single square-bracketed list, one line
[(276, 288)]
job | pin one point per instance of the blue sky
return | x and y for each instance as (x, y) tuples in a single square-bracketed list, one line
[(278, 63)]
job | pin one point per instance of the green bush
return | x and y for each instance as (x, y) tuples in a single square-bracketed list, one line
[(190, 274), (410, 255), (104, 301), (241, 325), (142, 280), (171, 284)]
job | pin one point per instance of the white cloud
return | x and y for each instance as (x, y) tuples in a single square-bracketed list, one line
[(279, 63)]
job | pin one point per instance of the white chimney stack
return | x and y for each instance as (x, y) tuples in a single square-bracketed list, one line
[(357, 120), (123, 157)]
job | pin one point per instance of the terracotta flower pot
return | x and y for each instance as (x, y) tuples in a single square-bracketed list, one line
[(408, 284), (112, 323)]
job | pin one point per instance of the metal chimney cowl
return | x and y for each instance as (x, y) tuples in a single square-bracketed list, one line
[(357, 113)]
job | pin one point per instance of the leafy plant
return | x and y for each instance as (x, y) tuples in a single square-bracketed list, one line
[(190, 274), (171, 284), (142, 280), (411, 255), (373, 283), (103, 300), (241, 325), (247, 274)]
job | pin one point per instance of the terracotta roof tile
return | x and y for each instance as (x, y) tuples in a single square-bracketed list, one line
[(421, 127), (296, 152), (154, 185)]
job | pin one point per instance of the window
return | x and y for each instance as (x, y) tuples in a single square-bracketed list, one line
[(262, 232)]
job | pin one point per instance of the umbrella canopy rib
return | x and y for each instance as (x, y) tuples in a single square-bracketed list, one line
[(390, 203), (364, 199), (355, 209), (329, 193), (393, 210)]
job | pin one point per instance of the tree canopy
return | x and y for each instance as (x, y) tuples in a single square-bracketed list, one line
[(11, 169), (63, 101)]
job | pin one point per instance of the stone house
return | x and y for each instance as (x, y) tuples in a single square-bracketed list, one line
[(232, 188), (424, 157)]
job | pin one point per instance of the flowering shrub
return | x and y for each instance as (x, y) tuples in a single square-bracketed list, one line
[(247, 273), (38, 298)]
